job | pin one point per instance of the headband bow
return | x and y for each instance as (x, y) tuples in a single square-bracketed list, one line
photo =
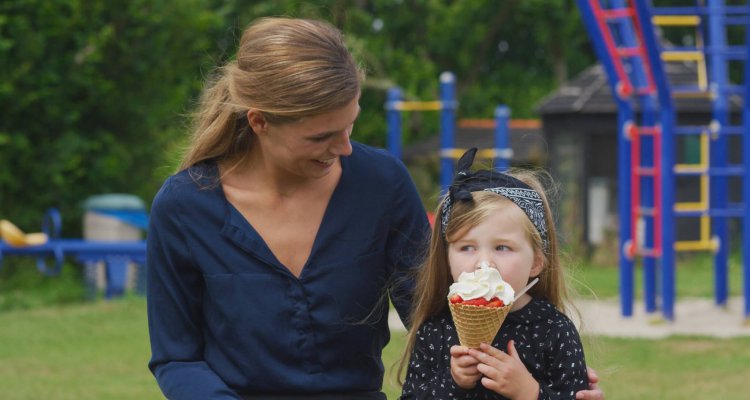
[(465, 182)]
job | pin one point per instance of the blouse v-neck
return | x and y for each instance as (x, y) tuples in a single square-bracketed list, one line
[(245, 233)]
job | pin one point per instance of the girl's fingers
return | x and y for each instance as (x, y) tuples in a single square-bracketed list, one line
[(494, 352), (457, 351), (489, 355), (466, 361)]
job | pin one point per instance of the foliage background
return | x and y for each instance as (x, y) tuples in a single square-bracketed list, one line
[(95, 94)]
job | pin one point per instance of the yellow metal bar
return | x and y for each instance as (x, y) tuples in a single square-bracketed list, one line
[(689, 206), (670, 55), (418, 105), (694, 168), (702, 74), (676, 20), (696, 245), (705, 227), (481, 154), (704, 162)]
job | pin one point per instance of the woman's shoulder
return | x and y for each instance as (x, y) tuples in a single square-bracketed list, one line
[(185, 185), (378, 163)]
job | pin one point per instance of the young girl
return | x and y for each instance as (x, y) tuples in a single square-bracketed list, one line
[(505, 221)]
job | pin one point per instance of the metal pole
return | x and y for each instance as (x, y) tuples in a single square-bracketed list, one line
[(393, 120), (447, 128)]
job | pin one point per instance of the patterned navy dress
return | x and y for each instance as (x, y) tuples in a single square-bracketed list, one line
[(546, 340)]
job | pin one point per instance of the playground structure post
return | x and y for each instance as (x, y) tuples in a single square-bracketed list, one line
[(503, 151), (447, 127), (393, 120), (746, 181), (718, 151)]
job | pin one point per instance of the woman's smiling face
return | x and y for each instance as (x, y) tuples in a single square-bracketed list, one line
[(310, 147)]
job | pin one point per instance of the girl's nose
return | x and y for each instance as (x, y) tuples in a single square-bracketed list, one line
[(484, 264)]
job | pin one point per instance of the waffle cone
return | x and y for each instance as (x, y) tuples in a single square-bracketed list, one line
[(477, 324)]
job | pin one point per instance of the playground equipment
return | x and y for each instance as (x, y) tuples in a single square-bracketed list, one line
[(447, 105), (625, 39), (114, 254)]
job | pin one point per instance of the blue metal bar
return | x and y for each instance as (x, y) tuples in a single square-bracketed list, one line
[(698, 129), (81, 248), (625, 117), (719, 74), (447, 127), (625, 30), (627, 275), (503, 151), (667, 183), (725, 213), (735, 53), (116, 256), (699, 10), (393, 120), (746, 180), (716, 171)]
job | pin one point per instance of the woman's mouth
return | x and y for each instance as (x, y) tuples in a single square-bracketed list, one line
[(325, 163)]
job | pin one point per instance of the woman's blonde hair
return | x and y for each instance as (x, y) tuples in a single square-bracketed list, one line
[(434, 277), (287, 69)]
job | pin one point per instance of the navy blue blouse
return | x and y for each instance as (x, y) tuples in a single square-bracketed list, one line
[(226, 318)]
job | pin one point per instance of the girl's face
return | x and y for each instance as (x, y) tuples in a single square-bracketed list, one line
[(500, 240), (311, 147)]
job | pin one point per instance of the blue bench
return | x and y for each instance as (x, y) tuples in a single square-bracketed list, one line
[(116, 255)]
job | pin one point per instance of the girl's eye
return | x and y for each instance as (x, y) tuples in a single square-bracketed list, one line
[(502, 247), (467, 248)]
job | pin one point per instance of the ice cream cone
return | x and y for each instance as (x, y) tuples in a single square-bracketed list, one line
[(477, 324)]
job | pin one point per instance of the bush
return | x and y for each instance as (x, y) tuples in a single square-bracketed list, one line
[(84, 85)]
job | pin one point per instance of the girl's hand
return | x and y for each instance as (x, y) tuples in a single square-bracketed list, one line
[(594, 393), (505, 373), (464, 367)]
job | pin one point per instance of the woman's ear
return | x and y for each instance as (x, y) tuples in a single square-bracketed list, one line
[(538, 266), (257, 121)]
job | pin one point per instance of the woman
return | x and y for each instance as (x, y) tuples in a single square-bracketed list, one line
[(271, 251)]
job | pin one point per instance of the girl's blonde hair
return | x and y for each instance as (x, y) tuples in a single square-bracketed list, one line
[(434, 277), (287, 69)]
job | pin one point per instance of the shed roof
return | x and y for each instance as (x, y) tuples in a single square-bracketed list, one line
[(526, 140), (589, 93)]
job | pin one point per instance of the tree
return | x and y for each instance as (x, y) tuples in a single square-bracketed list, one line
[(90, 97)]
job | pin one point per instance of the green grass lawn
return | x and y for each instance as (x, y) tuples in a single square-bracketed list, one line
[(99, 350), (694, 277)]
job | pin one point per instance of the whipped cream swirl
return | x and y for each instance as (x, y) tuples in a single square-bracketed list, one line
[(484, 282)]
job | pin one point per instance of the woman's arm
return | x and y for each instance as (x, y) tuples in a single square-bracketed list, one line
[(407, 239), (174, 292)]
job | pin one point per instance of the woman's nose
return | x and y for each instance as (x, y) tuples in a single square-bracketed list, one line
[(342, 146)]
